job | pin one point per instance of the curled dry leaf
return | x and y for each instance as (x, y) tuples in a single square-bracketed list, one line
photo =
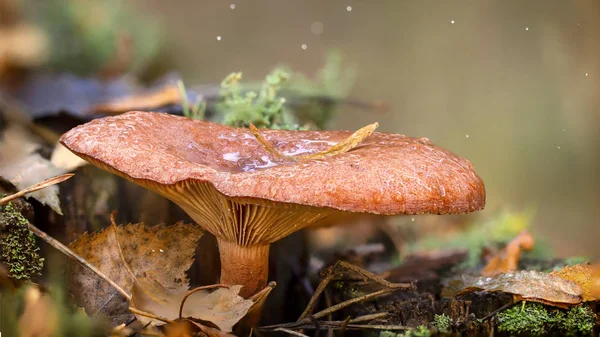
[(342, 147), (45, 95), (23, 166), (526, 285), (166, 95), (222, 307), (583, 275), (126, 253), (507, 259)]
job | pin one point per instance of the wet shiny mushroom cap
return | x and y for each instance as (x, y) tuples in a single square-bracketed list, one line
[(203, 165)]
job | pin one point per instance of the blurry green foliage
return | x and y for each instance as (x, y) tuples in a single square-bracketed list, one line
[(87, 35), (72, 321), (264, 109), (18, 248), (498, 230), (443, 323), (420, 331), (334, 81), (193, 111), (535, 319), (314, 103)]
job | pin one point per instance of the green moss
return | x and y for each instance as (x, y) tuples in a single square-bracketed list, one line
[(18, 248), (578, 321), (534, 319), (443, 323), (420, 331), (531, 318), (388, 334), (264, 109)]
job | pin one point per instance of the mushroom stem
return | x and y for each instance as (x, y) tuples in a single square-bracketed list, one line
[(244, 265)]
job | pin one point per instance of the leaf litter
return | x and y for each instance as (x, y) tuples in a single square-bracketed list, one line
[(151, 269), (507, 259), (562, 288), (22, 166)]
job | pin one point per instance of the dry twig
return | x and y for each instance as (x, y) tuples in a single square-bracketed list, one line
[(36, 187)]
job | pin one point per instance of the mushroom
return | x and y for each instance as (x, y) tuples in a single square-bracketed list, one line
[(240, 192)]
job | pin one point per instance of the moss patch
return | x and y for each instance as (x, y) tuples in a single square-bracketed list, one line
[(18, 248), (443, 323), (534, 319)]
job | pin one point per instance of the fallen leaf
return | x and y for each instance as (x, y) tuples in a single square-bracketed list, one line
[(166, 95), (23, 167), (222, 307), (63, 158), (507, 259), (342, 147), (36, 187), (92, 293), (123, 253), (525, 285), (582, 274), (45, 95)]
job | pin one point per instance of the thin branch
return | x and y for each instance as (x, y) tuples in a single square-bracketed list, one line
[(351, 301), (291, 332), (36, 187), (322, 285), (336, 325), (374, 277), (309, 322), (149, 315), (65, 250)]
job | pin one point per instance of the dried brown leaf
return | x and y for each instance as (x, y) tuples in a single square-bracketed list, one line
[(23, 167), (222, 307), (124, 253), (344, 146), (65, 159), (582, 274), (168, 94), (507, 259), (91, 292), (528, 285)]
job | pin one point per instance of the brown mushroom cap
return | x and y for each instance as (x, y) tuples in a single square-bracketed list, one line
[(386, 174), (229, 184)]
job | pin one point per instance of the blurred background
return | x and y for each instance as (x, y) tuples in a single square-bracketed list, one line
[(513, 86)]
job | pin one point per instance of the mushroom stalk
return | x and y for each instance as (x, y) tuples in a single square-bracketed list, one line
[(244, 265)]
